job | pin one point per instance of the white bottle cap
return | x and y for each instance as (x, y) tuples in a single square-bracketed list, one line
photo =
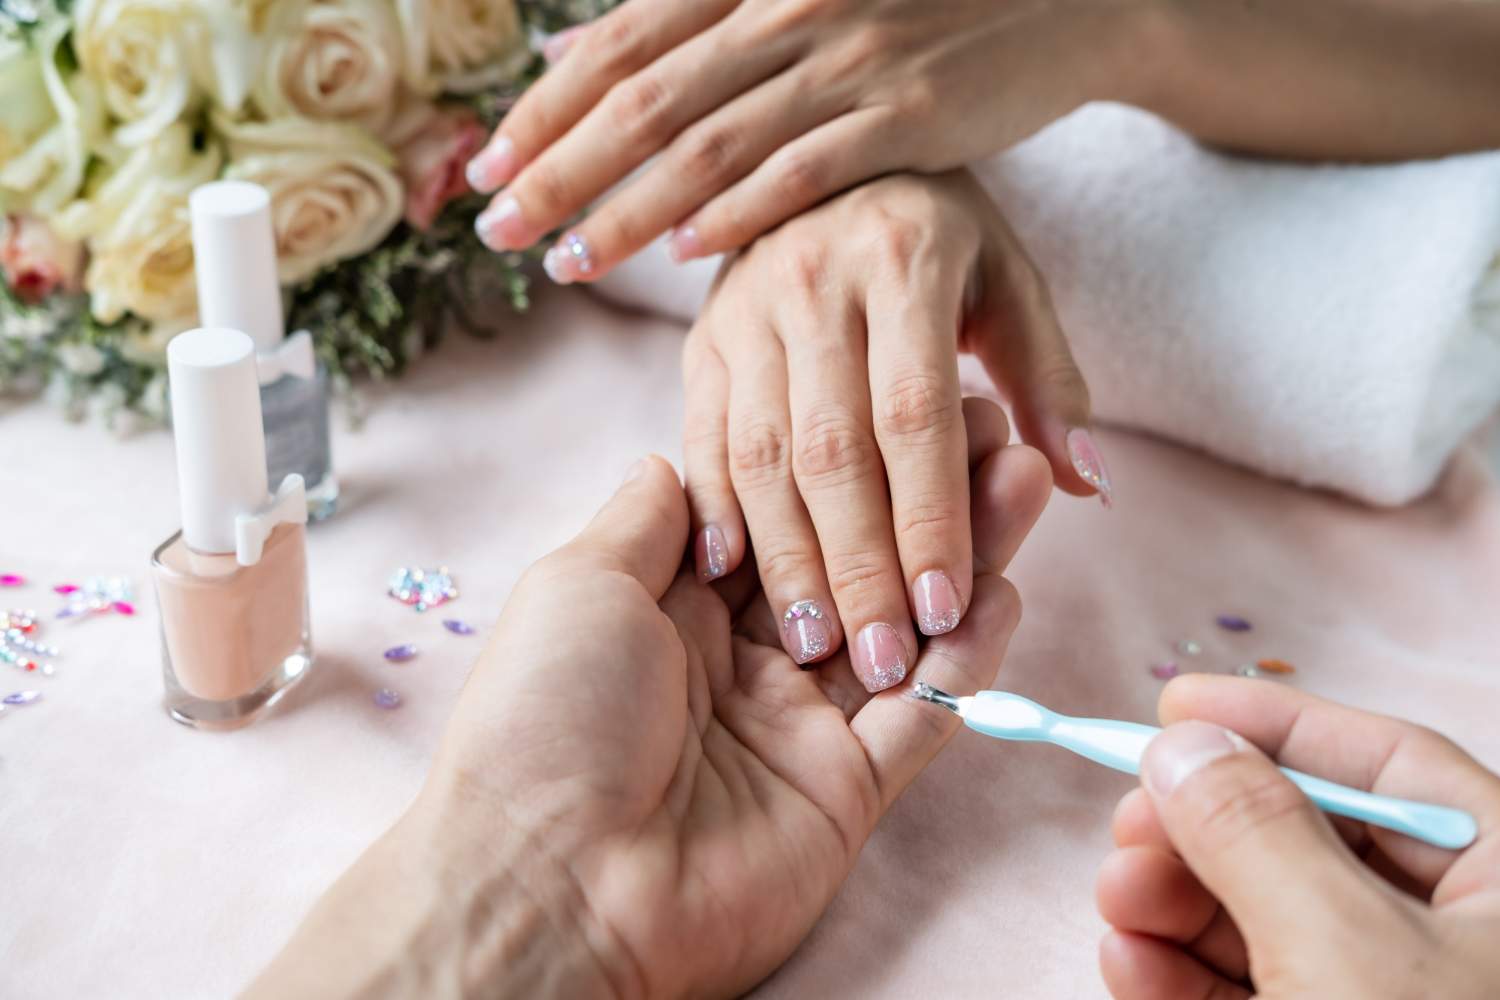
[(234, 256), (221, 448)]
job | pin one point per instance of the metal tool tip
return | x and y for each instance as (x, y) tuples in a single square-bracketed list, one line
[(926, 692)]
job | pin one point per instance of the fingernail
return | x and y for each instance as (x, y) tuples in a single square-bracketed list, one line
[(1183, 749), (879, 657), (936, 599), (493, 166), (558, 45), (636, 468), (684, 245), (1089, 464), (712, 554), (568, 259), (500, 226), (806, 628)]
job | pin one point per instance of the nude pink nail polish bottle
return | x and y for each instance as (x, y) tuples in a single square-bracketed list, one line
[(232, 584)]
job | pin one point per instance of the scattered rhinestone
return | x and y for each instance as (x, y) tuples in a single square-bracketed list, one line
[(1233, 623), (1165, 670), (458, 627), (387, 698), (422, 589), (401, 653)]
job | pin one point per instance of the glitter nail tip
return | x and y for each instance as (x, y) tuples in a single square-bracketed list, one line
[(1233, 623), (387, 699), (1189, 647), (457, 627), (21, 697), (401, 653), (1164, 671)]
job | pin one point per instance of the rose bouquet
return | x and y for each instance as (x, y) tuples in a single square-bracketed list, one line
[(356, 115)]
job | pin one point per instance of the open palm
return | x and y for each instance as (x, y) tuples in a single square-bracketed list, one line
[(707, 795)]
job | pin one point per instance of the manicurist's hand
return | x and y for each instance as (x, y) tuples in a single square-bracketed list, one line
[(639, 794), (1228, 882), (762, 108), (824, 425)]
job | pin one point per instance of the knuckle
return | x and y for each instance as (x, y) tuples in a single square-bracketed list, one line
[(935, 513), (785, 563), (1254, 806), (919, 404), (896, 241), (832, 449), (709, 154), (804, 269), (800, 178), (614, 44), (1058, 375), (758, 451), (549, 190), (639, 107), (857, 573)]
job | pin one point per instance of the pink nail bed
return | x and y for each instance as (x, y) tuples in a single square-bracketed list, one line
[(500, 226), (937, 603), (568, 260), (712, 554), (879, 657), (807, 633), (495, 165), (684, 245), (1089, 464)]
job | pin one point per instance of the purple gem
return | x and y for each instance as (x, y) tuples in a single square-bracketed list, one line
[(21, 697), (402, 653), (387, 698), (457, 627), (1164, 671), (1233, 623)]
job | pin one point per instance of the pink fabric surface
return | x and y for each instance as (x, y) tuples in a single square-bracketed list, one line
[(142, 859)]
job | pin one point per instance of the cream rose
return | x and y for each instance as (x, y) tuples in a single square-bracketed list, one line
[(138, 230), (47, 123), (141, 55), (460, 46), (332, 60), (334, 191)]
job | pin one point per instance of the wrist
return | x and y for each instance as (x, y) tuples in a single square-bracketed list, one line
[(424, 913)]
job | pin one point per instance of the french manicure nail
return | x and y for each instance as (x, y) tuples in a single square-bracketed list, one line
[(684, 245), (494, 165), (1089, 464), (936, 600), (568, 259), (880, 657), (499, 226), (558, 45), (1180, 750), (712, 554), (807, 633)]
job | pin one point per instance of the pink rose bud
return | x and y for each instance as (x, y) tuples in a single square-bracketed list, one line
[(35, 261), (432, 162)]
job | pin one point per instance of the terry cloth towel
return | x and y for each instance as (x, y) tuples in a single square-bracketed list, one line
[(1335, 325)]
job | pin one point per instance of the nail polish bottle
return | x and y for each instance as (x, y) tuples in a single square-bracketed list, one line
[(234, 255), (232, 584)]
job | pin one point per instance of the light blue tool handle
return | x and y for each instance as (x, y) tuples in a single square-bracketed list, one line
[(1120, 745)]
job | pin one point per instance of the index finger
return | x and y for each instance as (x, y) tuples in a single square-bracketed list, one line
[(1352, 747)]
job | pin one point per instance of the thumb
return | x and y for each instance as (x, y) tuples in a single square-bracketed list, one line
[(1249, 835), (640, 531)]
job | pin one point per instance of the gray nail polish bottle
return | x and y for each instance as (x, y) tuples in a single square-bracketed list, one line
[(234, 251)]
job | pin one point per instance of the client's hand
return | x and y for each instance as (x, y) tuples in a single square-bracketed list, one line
[(1228, 882), (760, 109), (823, 410), (639, 793)]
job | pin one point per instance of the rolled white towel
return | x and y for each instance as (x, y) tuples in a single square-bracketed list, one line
[(1338, 326)]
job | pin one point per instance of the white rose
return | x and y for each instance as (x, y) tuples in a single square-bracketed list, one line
[(48, 120), (142, 55), (139, 232), (334, 190), (460, 46), (331, 60)]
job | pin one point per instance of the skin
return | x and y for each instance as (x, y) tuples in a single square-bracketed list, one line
[(1231, 884), (759, 109), (639, 794), (825, 422)]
